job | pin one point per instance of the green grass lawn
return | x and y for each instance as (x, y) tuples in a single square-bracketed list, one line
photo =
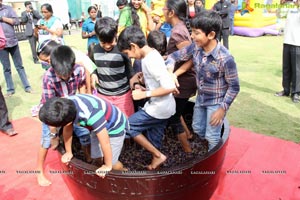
[(256, 108)]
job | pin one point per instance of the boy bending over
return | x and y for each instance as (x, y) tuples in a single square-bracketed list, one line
[(101, 117)]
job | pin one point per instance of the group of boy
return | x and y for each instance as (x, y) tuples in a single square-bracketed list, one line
[(217, 81)]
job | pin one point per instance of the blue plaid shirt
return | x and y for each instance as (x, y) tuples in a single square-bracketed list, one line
[(53, 86), (216, 73)]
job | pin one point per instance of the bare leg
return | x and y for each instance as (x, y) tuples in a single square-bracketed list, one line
[(41, 178), (158, 157), (182, 137), (186, 129)]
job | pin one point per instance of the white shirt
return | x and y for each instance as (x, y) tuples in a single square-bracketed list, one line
[(292, 27), (156, 75)]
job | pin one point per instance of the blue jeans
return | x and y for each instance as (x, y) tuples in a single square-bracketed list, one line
[(201, 126), (82, 133), (17, 59), (141, 122)]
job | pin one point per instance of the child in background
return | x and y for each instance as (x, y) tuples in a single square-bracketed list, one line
[(175, 14), (94, 113), (88, 27), (157, 7), (217, 77), (114, 70), (159, 86)]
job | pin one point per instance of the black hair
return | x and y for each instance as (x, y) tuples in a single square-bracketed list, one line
[(106, 29), (58, 112), (134, 16), (62, 60), (48, 7), (131, 34), (91, 51), (157, 40), (179, 8), (26, 3), (207, 21), (90, 8), (46, 47), (121, 3)]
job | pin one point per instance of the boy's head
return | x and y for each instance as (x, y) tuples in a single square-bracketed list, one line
[(58, 112), (131, 40), (106, 29), (121, 3), (158, 41), (206, 26), (62, 60)]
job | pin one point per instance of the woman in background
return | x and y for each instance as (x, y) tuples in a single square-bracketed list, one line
[(49, 27)]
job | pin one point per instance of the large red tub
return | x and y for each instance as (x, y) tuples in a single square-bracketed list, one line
[(196, 179)]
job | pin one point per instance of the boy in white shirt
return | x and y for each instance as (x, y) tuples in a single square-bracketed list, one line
[(153, 117)]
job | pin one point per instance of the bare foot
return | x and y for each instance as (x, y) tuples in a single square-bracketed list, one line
[(157, 161), (42, 180)]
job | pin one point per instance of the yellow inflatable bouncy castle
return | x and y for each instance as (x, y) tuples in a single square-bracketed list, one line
[(255, 14), (254, 17)]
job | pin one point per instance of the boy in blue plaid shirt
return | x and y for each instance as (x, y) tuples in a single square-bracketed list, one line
[(216, 73)]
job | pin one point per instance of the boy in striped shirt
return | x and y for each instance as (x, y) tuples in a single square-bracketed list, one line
[(104, 120)]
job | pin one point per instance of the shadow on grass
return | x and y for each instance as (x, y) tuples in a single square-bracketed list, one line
[(255, 87), (283, 125)]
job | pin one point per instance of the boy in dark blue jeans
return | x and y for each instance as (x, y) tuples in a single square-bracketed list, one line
[(217, 78)]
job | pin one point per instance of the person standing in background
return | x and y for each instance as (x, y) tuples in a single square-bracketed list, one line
[(30, 17), (88, 27), (5, 125), (99, 12), (291, 55), (222, 7), (9, 18), (50, 27), (233, 8), (199, 3), (192, 9)]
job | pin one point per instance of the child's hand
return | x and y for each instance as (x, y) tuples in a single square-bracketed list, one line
[(94, 81), (103, 170), (66, 158), (217, 117), (138, 94)]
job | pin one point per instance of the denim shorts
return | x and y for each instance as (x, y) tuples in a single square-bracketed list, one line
[(82, 133), (141, 122)]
